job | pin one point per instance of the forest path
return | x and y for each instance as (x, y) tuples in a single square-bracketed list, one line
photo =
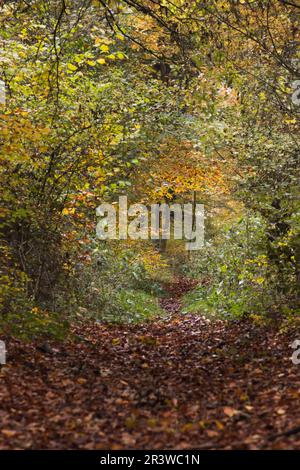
[(180, 383)]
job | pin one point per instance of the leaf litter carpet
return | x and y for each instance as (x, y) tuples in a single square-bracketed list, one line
[(179, 383)]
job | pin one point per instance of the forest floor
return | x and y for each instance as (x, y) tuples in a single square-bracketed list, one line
[(178, 383)]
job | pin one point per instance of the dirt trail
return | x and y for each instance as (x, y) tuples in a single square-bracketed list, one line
[(176, 384)]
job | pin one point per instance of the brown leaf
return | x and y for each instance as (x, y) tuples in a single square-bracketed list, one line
[(8, 432), (230, 411), (81, 381)]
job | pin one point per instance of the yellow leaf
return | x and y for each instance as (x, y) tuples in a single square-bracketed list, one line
[(72, 67), (219, 425), (67, 211), (187, 427), (104, 48)]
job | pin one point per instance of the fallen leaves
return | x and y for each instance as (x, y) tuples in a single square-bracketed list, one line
[(178, 383)]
